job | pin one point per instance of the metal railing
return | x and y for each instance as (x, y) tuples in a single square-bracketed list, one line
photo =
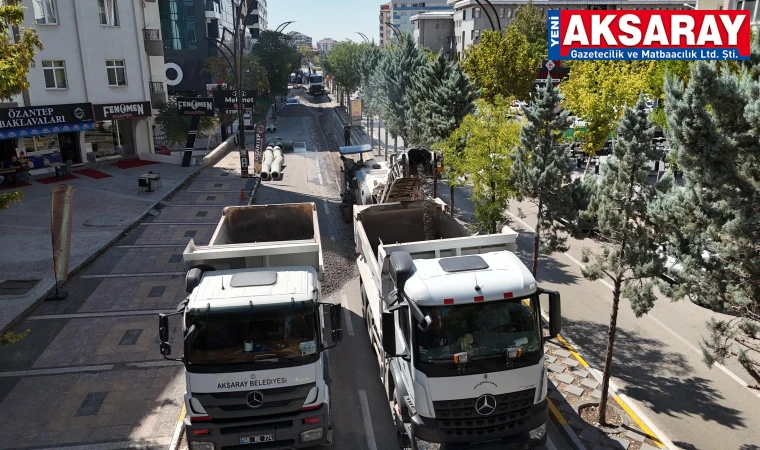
[(151, 34), (156, 87)]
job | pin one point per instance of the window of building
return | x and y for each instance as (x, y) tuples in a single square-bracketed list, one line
[(748, 5), (117, 73), (109, 14), (55, 74), (476, 14), (178, 25), (509, 13), (501, 13), (45, 12), (464, 14), (472, 35)]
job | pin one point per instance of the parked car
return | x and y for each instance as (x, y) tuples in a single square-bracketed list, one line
[(291, 101)]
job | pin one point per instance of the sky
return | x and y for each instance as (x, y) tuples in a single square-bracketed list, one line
[(319, 19)]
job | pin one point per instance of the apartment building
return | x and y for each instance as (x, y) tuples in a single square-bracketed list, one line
[(298, 39), (401, 14), (749, 5), (325, 45), (470, 20), (94, 86), (435, 30), (385, 18), (257, 21)]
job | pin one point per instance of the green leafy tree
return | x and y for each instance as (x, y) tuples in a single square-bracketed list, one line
[(712, 223), (254, 74), (17, 50), (278, 57), (628, 257), (344, 65), (176, 127), (502, 64), (307, 53), (491, 137), (597, 92), (452, 151), (533, 26), (541, 172), (393, 80), (655, 82)]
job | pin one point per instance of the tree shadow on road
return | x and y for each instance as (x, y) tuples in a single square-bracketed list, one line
[(663, 380)]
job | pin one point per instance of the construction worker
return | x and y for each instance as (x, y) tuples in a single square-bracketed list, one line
[(347, 133)]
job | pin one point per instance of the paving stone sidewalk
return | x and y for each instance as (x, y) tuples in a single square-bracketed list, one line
[(573, 384)]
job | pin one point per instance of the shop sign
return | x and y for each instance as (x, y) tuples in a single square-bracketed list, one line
[(117, 111), (195, 106), (39, 116), (230, 98)]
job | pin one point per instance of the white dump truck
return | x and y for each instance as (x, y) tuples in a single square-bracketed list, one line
[(255, 331), (455, 321)]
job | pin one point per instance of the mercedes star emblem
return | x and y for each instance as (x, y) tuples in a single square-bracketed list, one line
[(485, 405), (255, 399), (253, 376)]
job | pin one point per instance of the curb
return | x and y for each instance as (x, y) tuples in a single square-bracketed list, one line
[(179, 430), (567, 433), (99, 251)]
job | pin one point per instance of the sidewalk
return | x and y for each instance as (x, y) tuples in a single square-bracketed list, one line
[(361, 135), (104, 208)]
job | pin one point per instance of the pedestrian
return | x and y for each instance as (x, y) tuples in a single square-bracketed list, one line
[(347, 133), (19, 173)]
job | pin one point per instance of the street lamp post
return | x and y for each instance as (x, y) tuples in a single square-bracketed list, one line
[(396, 30), (364, 36), (691, 6)]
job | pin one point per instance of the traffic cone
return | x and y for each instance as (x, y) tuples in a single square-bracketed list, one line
[(242, 194)]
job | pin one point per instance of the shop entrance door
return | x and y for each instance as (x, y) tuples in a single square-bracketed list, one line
[(70, 147)]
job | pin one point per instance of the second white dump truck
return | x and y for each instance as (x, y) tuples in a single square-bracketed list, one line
[(455, 321), (255, 331)]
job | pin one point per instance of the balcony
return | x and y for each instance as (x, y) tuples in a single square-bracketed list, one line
[(157, 94), (153, 44), (213, 10)]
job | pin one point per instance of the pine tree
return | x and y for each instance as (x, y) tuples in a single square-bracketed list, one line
[(712, 223), (452, 98), (419, 98), (628, 257), (541, 172)]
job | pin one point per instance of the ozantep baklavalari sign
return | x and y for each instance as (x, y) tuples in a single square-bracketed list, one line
[(649, 35)]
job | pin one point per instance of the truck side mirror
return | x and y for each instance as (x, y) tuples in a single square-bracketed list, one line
[(388, 323), (402, 266), (163, 328), (336, 321), (555, 314)]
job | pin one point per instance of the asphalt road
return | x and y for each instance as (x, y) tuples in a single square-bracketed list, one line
[(657, 366), (89, 375)]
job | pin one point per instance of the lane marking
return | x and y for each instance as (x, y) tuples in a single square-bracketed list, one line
[(113, 445), (368, 431), (178, 429), (142, 312), (160, 363), (688, 344), (55, 371), (131, 275), (347, 312), (179, 223), (151, 245), (565, 426)]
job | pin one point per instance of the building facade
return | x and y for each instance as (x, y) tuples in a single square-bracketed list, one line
[(749, 5), (298, 39), (470, 20), (401, 14), (325, 45), (385, 18), (257, 21), (94, 87), (435, 30)]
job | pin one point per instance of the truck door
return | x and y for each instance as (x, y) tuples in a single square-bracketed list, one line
[(404, 341)]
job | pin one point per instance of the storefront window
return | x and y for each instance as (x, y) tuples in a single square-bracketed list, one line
[(103, 139), (46, 143)]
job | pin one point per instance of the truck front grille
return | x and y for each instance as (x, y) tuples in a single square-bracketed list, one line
[(233, 405), (459, 419)]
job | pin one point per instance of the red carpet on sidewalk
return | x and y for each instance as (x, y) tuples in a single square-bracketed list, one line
[(51, 180), (12, 185), (92, 173), (130, 163)]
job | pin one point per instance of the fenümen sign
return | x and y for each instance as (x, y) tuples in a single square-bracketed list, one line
[(116, 111), (195, 106), (229, 99)]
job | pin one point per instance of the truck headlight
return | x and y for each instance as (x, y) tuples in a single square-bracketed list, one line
[(425, 445), (538, 433), (311, 435), (201, 445)]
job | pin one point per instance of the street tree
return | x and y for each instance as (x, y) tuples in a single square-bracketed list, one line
[(597, 92), (628, 256), (541, 173), (278, 57), (17, 50), (491, 135), (307, 53), (176, 127), (254, 74), (345, 70), (452, 151), (369, 59), (420, 93), (393, 80), (533, 26), (712, 223), (451, 99), (502, 64)]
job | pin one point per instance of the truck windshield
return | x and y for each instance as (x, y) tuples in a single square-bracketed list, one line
[(281, 339), (483, 330), (315, 79)]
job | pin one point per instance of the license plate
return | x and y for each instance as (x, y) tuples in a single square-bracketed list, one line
[(257, 439)]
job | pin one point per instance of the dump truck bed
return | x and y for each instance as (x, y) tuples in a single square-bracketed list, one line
[(263, 236)]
